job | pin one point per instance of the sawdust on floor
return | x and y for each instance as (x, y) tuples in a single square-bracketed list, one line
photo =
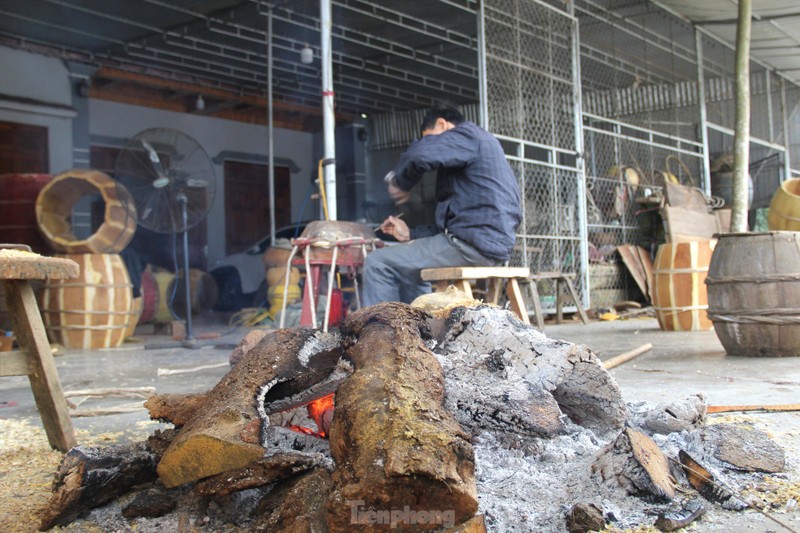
[(28, 466)]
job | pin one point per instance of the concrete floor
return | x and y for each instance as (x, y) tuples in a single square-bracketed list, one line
[(680, 364)]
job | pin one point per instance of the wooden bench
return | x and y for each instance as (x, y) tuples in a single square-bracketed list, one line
[(559, 278), (35, 359), (461, 276)]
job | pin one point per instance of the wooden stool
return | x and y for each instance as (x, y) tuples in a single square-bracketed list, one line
[(36, 359), (460, 277), (559, 278)]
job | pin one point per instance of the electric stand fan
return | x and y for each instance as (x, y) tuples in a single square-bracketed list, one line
[(171, 180)]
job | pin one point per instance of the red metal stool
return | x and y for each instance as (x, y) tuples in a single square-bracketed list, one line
[(329, 245)]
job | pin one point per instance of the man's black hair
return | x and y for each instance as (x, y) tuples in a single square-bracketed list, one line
[(443, 110)]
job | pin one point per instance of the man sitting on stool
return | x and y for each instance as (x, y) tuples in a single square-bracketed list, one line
[(477, 211)]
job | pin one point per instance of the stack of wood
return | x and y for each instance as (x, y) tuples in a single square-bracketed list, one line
[(688, 217), (399, 455)]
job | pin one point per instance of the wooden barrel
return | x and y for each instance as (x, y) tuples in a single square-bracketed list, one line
[(754, 293), (93, 310), (784, 209), (58, 198), (150, 296), (134, 317), (203, 292), (18, 194), (679, 292), (164, 283), (722, 187)]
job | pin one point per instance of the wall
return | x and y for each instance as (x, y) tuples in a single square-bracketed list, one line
[(45, 79), (113, 123)]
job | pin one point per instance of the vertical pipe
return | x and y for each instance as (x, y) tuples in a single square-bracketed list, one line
[(768, 86), (701, 98), (741, 139), (328, 117), (482, 86), (787, 164), (271, 133), (580, 162)]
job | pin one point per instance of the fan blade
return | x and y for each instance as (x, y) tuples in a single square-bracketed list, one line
[(163, 179)]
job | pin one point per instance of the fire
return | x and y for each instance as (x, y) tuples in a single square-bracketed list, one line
[(321, 412)]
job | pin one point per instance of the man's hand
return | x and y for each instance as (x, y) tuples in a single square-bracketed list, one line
[(395, 227)]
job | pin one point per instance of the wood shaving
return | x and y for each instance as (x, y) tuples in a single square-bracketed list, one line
[(27, 468), (13, 254)]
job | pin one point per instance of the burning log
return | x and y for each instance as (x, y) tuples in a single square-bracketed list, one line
[(258, 474), (89, 477), (528, 381), (225, 434), (637, 464), (177, 409), (297, 506), (397, 449)]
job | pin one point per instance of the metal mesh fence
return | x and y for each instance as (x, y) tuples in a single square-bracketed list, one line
[(793, 126), (530, 104), (641, 124)]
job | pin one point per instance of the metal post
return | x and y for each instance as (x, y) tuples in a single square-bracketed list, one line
[(701, 98), (483, 111), (270, 132), (787, 164), (182, 199), (580, 162), (741, 141), (328, 116)]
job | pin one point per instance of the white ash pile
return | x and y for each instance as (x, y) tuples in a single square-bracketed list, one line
[(474, 421)]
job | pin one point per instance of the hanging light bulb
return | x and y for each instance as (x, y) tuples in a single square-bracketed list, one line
[(306, 55), (200, 104)]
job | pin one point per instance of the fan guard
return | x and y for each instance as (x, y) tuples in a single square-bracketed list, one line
[(162, 168)]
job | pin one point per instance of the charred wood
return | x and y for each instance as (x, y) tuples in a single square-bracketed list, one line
[(89, 477), (635, 463), (259, 473), (395, 445), (297, 506), (219, 437), (526, 378), (585, 517), (176, 409)]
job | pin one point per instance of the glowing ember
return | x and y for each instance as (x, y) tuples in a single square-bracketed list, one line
[(321, 412)]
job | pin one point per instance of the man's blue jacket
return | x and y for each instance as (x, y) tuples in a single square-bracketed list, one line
[(478, 199)]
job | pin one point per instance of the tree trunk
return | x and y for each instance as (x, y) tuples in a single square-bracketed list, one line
[(741, 138), (225, 434), (395, 445)]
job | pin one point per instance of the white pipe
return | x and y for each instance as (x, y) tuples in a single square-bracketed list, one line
[(271, 133), (328, 117)]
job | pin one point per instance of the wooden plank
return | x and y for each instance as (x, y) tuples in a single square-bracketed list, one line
[(453, 273), (34, 266), (639, 264), (684, 225), (14, 363), (723, 220), (647, 262), (678, 195), (578, 305), (515, 299), (43, 376)]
